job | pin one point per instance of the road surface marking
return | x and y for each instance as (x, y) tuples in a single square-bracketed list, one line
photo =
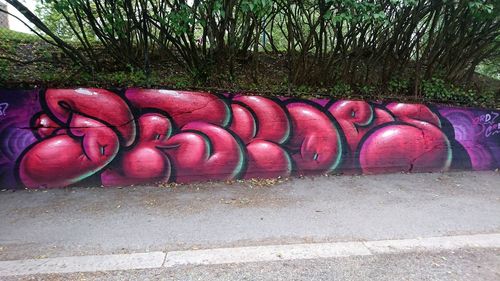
[(267, 253), (243, 254), (82, 264), (434, 243)]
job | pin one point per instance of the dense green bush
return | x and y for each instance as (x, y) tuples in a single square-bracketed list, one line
[(438, 91), (347, 40), (365, 47)]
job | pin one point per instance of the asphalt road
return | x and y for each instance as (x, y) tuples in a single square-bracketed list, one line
[(96, 221)]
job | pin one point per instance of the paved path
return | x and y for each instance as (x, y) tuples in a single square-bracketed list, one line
[(49, 226)]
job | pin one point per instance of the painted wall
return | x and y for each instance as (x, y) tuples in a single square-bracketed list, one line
[(62, 137)]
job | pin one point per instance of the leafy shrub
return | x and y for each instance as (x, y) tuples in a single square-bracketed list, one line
[(437, 90), (398, 85), (366, 90), (3, 70), (342, 89)]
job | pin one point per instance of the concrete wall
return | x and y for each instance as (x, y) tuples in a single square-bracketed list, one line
[(62, 137), (4, 18)]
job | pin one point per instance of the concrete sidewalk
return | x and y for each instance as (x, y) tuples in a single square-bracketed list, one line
[(466, 265), (96, 221)]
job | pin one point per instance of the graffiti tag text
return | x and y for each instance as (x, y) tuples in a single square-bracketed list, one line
[(3, 108)]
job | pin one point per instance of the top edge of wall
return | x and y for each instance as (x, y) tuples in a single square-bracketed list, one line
[(246, 92)]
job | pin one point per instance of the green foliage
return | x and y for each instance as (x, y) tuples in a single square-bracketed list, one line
[(342, 89), (337, 37), (10, 36), (436, 90), (348, 46), (482, 8), (398, 85), (4, 68), (304, 89), (258, 8), (10, 43), (366, 90), (180, 82), (181, 19), (490, 68), (129, 78), (52, 16)]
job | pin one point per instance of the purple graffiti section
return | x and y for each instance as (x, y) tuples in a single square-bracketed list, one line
[(17, 107), (64, 137), (479, 133)]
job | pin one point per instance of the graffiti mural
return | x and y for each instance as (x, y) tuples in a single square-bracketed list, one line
[(63, 137)]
